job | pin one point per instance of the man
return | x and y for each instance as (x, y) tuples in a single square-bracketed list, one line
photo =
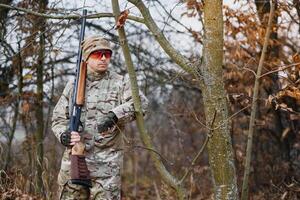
[(108, 106)]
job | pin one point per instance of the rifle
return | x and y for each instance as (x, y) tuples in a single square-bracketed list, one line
[(80, 174)]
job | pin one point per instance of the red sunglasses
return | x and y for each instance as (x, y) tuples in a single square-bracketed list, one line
[(100, 54)]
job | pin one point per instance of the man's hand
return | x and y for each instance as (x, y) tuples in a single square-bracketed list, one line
[(108, 122), (68, 138)]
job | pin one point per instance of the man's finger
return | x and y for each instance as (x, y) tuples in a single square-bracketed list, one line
[(75, 136), (74, 141), (74, 133)]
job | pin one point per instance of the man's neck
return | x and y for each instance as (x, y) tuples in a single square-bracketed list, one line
[(92, 75)]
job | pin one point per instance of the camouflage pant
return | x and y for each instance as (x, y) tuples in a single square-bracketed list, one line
[(106, 180), (76, 192)]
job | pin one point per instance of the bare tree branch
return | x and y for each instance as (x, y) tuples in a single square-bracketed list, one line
[(91, 16), (182, 61), (279, 69)]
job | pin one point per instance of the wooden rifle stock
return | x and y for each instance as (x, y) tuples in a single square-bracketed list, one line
[(81, 84)]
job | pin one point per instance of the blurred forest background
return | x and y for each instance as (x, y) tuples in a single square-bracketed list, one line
[(38, 56)]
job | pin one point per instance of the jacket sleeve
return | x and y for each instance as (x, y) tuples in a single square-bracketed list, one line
[(125, 111), (60, 117)]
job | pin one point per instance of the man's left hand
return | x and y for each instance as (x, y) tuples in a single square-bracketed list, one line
[(108, 122)]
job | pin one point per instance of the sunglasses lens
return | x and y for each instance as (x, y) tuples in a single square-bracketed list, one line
[(99, 54), (107, 54)]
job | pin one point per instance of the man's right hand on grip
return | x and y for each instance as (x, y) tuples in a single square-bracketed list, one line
[(65, 138), (68, 138)]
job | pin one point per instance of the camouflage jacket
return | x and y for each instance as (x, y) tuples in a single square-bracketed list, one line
[(104, 92)]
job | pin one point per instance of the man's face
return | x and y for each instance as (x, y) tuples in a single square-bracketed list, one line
[(98, 61)]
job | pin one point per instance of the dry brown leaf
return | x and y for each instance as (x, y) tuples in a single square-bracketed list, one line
[(296, 59), (196, 35), (25, 107), (122, 18), (292, 92)]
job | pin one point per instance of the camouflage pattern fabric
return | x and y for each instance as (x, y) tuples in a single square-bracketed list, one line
[(104, 156)]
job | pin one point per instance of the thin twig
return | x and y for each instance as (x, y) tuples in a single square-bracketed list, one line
[(231, 117), (201, 123), (201, 149), (245, 66), (77, 16), (33, 40), (153, 150), (281, 68), (250, 70), (225, 121)]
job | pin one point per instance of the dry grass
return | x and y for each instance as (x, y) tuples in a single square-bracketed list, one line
[(12, 187)]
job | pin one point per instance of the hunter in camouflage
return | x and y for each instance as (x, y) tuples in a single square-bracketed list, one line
[(107, 98)]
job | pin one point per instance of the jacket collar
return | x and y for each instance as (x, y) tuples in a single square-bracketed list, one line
[(94, 76)]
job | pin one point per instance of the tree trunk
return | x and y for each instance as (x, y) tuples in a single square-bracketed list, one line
[(16, 108), (3, 18), (274, 120), (219, 145), (39, 100), (6, 71)]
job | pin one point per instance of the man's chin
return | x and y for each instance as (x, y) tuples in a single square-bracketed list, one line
[(102, 69)]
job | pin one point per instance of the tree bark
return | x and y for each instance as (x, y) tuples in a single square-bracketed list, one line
[(219, 145)]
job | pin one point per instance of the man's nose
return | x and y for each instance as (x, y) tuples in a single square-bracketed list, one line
[(103, 57)]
